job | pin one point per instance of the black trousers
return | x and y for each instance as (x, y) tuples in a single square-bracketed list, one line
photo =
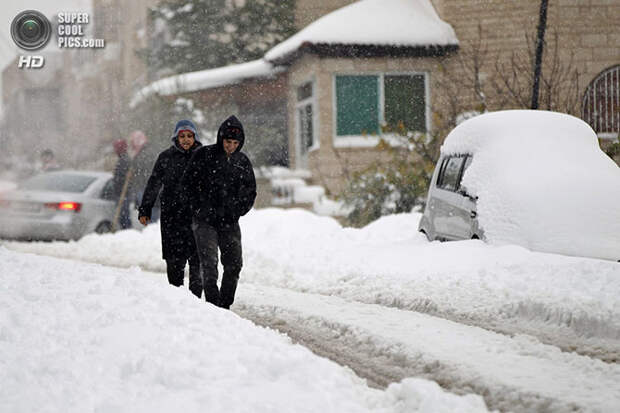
[(175, 268), (208, 240)]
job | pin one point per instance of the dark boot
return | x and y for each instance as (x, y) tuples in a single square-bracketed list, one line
[(195, 278), (212, 293), (230, 278), (175, 269)]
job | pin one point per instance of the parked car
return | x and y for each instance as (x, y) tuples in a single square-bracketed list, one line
[(537, 179), (61, 205), (450, 212)]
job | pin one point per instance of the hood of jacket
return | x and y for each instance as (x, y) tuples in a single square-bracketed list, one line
[(233, 129), (184, 125)]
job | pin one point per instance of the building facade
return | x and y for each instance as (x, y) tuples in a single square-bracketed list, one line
[(489, 71)]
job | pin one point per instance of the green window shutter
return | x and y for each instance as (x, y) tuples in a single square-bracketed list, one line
[(405, 102), (357, 105)]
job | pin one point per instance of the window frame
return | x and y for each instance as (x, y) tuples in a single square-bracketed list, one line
[(600, 103), (459, 177), (301, 104), (345, 141)]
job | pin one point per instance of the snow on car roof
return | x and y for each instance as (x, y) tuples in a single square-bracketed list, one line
[(542, 182), (374, 22)]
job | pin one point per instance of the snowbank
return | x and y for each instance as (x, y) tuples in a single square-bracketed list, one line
[(84, 338), (570, 301)]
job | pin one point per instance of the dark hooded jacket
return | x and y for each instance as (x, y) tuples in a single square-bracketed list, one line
[(176, 234), (219, 188)]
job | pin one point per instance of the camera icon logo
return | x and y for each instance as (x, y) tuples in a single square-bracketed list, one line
[(31, 30)]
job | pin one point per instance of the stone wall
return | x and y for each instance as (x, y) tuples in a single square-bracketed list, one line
[(588, 30), (307, 11)]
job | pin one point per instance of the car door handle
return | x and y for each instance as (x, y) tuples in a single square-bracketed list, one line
[(473, 214)]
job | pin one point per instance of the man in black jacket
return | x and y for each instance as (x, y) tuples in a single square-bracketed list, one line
[(177, 239), (220, 187)]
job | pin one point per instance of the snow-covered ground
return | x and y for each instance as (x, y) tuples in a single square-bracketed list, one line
[(78, 337), (344, 278)]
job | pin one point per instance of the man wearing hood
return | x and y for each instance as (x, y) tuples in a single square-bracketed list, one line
[(219, 186), (177, 240)]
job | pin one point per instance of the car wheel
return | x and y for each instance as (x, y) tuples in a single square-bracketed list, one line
[(103, 228)]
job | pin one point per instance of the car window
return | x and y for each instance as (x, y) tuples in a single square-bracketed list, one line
[(441, 169), (450, 173), (467, 162), (58, 182), (108, 190)]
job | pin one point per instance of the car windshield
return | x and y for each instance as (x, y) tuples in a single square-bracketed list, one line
[(58, 182)]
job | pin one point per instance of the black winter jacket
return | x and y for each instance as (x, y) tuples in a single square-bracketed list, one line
[(219, 188), (176, 234)]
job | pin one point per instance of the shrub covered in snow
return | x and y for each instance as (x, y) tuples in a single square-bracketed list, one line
[(396, 186)]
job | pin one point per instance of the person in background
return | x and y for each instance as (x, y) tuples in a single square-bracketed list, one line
[(143, 156), (119, 179), (177, 241), (48, 161), (219, 186)]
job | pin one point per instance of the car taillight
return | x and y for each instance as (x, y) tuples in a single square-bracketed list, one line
[(65, 206)]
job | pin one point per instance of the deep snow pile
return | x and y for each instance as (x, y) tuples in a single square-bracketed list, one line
[(569, 301), (78, 337), (542, 181)]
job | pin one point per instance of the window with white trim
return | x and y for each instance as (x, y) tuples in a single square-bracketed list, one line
[(305, 116), (601, 103), (366, 102)]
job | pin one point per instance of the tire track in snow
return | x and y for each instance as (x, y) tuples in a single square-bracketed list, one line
[(385, 345)]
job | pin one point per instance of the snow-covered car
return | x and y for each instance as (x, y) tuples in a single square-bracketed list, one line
[(537, 179), (59, 205)]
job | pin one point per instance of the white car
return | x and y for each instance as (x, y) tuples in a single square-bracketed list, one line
[(61, 205), (533, 178)]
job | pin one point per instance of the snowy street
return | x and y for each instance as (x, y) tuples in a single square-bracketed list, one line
[(497, 322)]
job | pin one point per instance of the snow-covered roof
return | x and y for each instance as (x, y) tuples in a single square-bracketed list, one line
[(205, 79), (408, 23)]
